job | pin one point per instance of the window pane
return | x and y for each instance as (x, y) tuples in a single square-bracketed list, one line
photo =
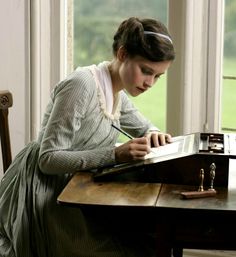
[(95, 23), (229, 71)]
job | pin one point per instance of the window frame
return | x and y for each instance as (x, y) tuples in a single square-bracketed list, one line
[(198, 38), (50, 59)]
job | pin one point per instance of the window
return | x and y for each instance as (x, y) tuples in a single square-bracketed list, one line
[(229, 71), (195, 100), (95, 23)]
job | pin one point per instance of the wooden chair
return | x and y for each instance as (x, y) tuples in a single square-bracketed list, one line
[(5, 103)]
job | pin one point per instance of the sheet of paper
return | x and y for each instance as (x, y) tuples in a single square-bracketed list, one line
[(168, 149), (179, 145)]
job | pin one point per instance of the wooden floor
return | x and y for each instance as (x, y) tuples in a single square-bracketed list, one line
[(201, 253)]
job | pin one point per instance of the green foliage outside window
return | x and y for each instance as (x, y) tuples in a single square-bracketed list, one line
[(229, 68), (96, 21)]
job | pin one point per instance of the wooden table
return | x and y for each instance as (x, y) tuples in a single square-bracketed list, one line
[(83, 190), (204, 223)]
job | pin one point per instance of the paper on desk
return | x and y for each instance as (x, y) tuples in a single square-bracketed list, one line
[(168, 149), (180, 145)]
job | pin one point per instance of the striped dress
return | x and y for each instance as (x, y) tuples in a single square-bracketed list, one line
[(76, 135)]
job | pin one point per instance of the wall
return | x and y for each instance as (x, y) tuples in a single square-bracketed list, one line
[(14, 68)]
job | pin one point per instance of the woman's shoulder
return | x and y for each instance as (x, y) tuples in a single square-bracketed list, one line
[(79, 81), (82, 74), (81, 77)]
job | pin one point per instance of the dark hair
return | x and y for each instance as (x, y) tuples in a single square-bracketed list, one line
[(131, 36)]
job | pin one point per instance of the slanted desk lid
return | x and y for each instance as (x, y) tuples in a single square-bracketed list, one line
[(211, 145), (181, 146)]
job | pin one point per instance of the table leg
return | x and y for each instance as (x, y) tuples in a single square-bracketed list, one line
[(177, 252), (164, 240)]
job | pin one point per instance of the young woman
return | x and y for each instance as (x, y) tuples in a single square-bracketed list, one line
[(77, 135)]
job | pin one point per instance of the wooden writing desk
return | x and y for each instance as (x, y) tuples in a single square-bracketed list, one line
[(82, 190), (205, 223)]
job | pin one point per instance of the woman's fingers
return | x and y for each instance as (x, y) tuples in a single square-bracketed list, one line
[(157, 139), (135, 149)]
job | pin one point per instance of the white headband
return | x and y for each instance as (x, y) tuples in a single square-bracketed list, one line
[(158, 34)]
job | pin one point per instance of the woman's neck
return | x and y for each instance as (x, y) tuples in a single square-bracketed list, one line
[(113, 68)]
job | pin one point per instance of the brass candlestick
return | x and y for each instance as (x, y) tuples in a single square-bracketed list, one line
[(212, 176), (201, 189)]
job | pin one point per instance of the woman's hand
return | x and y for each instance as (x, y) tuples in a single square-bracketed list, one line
[(135, 149), (157, 139)]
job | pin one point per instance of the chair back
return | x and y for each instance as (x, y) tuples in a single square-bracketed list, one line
[(5, 102)]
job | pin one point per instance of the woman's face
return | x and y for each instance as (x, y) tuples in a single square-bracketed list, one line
[(137, 74)]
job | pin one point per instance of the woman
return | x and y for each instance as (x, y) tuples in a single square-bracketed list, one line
[(77, 135)]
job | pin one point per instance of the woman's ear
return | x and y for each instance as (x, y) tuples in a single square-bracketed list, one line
[(122, 54)]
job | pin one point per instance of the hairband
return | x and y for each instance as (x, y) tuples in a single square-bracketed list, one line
[(158, 34)]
